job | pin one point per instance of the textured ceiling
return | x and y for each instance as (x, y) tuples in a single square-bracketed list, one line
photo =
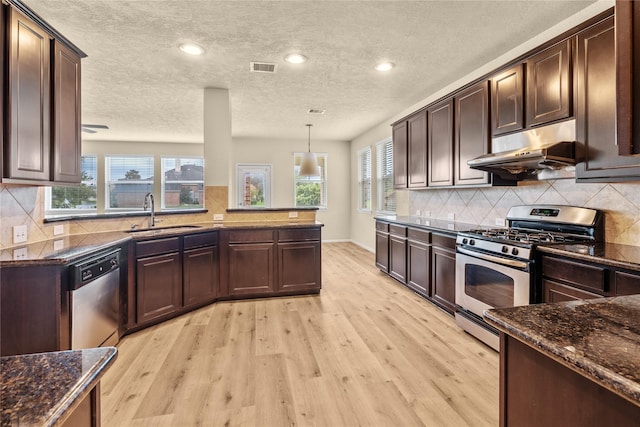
[(137, 82)]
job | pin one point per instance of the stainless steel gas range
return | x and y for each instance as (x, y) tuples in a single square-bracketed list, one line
[(495, 268)]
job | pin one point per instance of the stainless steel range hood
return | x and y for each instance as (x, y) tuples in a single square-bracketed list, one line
[(548, 152)]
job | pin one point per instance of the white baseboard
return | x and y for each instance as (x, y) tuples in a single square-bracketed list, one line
[(366, 248)]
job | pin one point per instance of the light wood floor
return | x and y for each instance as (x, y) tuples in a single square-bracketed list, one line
[(366, 352)]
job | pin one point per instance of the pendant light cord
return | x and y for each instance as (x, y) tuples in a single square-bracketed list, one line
[(309, 140)]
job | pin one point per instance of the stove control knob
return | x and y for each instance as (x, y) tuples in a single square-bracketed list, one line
[(514, 251), (505, 250), (465, 241), (472, 242)]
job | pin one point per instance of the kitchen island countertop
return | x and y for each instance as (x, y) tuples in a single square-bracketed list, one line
[(42, 389), (599, 338)]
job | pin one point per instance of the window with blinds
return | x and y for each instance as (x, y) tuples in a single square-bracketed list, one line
[(182, 183), (77, 200), (128, 180), (364, 179), (384, 163), (310, 191)]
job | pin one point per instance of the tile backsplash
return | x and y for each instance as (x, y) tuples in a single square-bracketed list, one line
[(487, 206)]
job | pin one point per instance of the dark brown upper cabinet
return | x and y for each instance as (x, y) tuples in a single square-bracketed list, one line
[(472, 133), (549, 85), (627, 29), (400, 155), (440, 143), (27, 150), (417, 160), (506, 101), (596, 108)]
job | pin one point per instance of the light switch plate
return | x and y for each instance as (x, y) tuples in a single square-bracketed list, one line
[(58, 230), (218, 217), (418, 212), (293, 214), (451, 216), (19, 234), (500, 222), (58, 245)]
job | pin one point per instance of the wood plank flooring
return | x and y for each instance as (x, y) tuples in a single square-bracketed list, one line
[(365, 352)]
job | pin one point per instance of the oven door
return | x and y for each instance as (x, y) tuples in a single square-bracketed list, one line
[(485, 281)]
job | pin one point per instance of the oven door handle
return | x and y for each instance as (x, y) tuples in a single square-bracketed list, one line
[(498, 260)]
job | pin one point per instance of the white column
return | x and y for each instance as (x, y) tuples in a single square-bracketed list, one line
[(217, 137)]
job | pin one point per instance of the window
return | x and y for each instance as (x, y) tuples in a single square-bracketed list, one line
[(364, 179), (128, 180), (182, 183), (310, 191), (82, 199), (253, 185), (384, 163)]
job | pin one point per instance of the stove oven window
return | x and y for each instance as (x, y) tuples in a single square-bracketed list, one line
[(489, 286)]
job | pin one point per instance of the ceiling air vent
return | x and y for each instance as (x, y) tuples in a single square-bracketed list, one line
[(315, 111), (263, 67)]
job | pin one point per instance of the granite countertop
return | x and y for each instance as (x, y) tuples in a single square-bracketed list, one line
[(612, 254), (599, 338), (43, 389), (431, 224), (66, 249)]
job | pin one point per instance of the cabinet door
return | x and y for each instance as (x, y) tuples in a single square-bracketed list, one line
[(626, 283), (66, 133), (400, 155), (417, 156), (398, 258), (549, 85), (299, 267), (558, 292), (28, 149), (200, 275), (596, 112), (418, 261), (627, 36), (471, 134), (382, 251), (443, 272), (159, 286), (506, 101), (251, 268), (441, 144)]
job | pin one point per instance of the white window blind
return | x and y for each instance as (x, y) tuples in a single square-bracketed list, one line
[(384, 163), (364, 179), (128, 180)]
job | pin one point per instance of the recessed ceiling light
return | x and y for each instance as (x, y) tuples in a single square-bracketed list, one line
[(295, 58), (191, 49), (384, 66)]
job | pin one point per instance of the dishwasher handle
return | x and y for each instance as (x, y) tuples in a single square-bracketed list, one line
[(90, 269)]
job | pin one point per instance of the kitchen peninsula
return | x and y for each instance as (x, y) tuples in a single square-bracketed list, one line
[(570, 363)]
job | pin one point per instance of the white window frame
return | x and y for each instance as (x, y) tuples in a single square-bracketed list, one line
[(164, 182), (241, 169), (364, 180), (107, 181), (323, 158), (382, 147), (53, 212)]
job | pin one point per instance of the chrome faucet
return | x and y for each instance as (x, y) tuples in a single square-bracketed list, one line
[(149, 203)]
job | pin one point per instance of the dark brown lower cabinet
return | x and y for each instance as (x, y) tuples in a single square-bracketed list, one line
[(200, 275), (443, 271), (535, 391), (398, 252), (419, 261), (251, 268), (159, 286), (382, 246), (558, 292), (299, 266)]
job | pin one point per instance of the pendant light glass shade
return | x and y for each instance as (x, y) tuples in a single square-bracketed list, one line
[(309, 162)]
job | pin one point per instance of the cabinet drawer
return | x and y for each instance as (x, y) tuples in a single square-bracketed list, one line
[(557, 292), (298, 235), (201, 239), (398, 230), (419, 235), (627, 284), (250, 236), (582, 275), (157, 246), (382, 226), (440, 240)]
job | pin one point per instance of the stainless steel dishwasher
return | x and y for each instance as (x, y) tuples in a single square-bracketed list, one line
[(95, 288)]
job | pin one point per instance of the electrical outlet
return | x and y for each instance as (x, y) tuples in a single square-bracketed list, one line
[(417, 212), (19, 233), (293, 214), (218, 217), (58, 245), (500, 222), (58, 230), (20, 253), (451, 227), (451, 216)]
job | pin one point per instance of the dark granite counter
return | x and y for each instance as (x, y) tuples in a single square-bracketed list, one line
[(600, 338), (612, 254), (66, 249), (43, 389), (430, 224)]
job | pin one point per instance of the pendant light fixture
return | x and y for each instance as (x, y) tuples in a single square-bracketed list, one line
[(309, 162)]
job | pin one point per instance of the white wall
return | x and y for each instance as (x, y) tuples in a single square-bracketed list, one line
[(363, 225), (279, 153)]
